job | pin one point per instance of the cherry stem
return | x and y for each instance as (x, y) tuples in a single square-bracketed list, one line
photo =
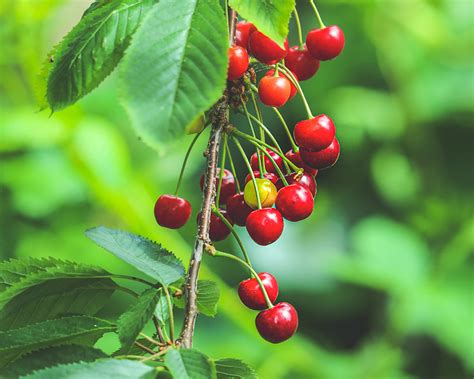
[(242, 262), (298, 26), (261, 165), (170, 308), (318, 16), (292, 78), (287, 130), (221, 171), (185, 161), (260, 118), (247, 163), (273, 139), (232, 167)]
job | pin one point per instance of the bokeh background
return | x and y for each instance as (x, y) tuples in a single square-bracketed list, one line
[(381, 274)]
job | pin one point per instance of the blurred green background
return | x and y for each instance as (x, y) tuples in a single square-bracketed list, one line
[(381, 274)]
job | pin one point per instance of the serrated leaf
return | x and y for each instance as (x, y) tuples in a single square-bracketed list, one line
[(131, 323), (51, 356), (83, 330), (234, 369), (271, 17), (103, 369), (92, 49), (147, 256), (208, 297), (162, 310), (175, 68), (189, 364), (51, 289)]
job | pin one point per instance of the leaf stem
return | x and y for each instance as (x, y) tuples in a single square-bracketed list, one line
[(152, 340), (143, 347)]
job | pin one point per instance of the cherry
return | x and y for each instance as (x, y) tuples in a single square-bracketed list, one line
[(237, 209), (314, 134), (172, 211), (227, 186), (274, 91), (305, 179), (265, 225), (268, 175), (324, 158), (265, 49), (266, 161), (295, 202), (277, 324), (326, 43), (266, 190), (238, 62), (295, 157), (293, 90), (251, 293), (302, 63), (218, 230), (243, 30)]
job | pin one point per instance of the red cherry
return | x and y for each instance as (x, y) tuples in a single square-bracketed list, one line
[(295, 202), (305, 179), (326, 43), (302, 63), (227, 186), (243, 30), (238, 62), (251, 294), (277, 324), (268, 175), (172, 211), (314, 134), (265, 49), (293, 90), (274, 91), (295, 157), (267, 162), (265, 225), (324, 158), (218, 230), (238, 209)]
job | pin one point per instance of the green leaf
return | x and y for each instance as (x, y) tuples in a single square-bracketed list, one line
[(189, 364), (175, 68), (92, 49), (51, 356), (45, 289), (271, 17), (233, 369), (83, 330), (103, 369), (207, 297), (147, 256), (132, 322), (162, 311)]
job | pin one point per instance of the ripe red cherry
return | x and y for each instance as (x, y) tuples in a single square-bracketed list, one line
[(227, 186), (295, 202), (267, 162), (251, 294), (238, 62), (237, 209), (277, 324), (324, 158), (265, 49), (302, 63), (314, 134), (243, 30), (293, 90), (295, 157), (274, 91), (305, 179), (265, 225), (172, 211), (326, 43), (218, 230), (268, 175)]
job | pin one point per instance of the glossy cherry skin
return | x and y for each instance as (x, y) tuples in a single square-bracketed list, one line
[(218, 230), (238, 62), (295, 157), (227, 186), (277, 324), (243, 30), (274, 91), (266, 161), (265, 49), (314, 134), (305, 179), (302, 63), (251, 294), (266, 190), (237, 209), (325, 44), (293, 90), (172, 211), (295, 202), (268, 175), (265, 225), (324, 158)]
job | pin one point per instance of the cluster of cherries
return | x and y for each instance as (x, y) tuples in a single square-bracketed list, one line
[(267, 198)]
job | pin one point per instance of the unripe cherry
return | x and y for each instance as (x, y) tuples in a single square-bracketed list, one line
[(251, 293), (238, 62), (302, 63), (266, 161), (265, 49), (274, 91), (172, 211), (277, 324), (265, 225), (324, 158), (314, 134), (295, 202), (237, 209), (326, 43), (266, 190)]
